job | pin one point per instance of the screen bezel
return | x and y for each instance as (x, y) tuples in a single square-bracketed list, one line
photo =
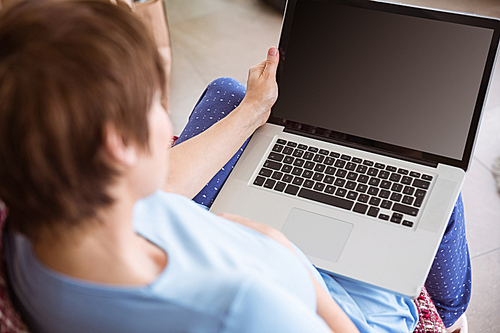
[(381, 147)]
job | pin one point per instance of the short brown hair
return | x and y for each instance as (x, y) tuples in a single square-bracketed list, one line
[(66, 69)]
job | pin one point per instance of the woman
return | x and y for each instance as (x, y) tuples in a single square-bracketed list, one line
[(94, 244)]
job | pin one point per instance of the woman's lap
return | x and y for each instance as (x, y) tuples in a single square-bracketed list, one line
[(449, 280)]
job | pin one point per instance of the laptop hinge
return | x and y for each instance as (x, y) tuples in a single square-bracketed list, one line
[(363, 147)]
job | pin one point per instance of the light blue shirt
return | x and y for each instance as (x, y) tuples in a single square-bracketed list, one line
[(220, 277)]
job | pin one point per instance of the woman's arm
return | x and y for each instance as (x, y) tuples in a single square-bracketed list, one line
[(327, 308), (194, 162)]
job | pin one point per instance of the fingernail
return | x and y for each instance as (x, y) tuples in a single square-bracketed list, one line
[(273, 51)]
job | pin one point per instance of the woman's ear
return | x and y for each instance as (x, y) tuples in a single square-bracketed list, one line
[(115, 146)]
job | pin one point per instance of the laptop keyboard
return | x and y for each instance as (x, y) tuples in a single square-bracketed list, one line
[(366, 187)]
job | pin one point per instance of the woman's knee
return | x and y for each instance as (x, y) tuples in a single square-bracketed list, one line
[(225, 92)]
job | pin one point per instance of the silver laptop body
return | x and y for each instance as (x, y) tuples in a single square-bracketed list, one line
[(373, 204)]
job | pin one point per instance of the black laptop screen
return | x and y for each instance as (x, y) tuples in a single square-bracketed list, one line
[(405, 81)]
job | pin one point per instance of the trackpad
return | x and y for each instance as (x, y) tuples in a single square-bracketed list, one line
[(317, 235)]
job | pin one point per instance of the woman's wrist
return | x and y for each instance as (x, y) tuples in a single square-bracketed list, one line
[(249, 116)]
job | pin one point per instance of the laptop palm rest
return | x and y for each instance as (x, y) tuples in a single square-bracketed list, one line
[(317, 235)]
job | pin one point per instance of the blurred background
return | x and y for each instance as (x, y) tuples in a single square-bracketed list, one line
[(214, 38)]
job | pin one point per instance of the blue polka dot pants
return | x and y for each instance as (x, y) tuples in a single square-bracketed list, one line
[(221, 97), (449, 280)]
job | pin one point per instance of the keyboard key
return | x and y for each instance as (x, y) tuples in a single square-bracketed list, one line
[(259, 181), (319, 186), (384, 194), (379, 165), (318, 176), (298, 181), (403, 171), (269, 183), (340, 164), (297, 171), (287, 178), (277, 175), (291, 144), (276, 157), (350, 166), (328, 180), (357, 160), (319, 167), (372, 172), (408, 210), (374, 181), (360, 208), (397, 187), (278, 148), (334, 154), (352, 195), (363, 198), (298, 153), (352, 176), (341, 173), (421, 184), (329, 160), (427, 177), (368, 163), (307, 174), (373, 190), (386, 204), (318, 158), (290, 189), (396, 197), (341, 192), (281, 141), (287, 151), (280, 187), (299, 162), (324, 152), (361, 168), (385, 184), (407, 200), (288, 160), (406, 180), (419, 194), (408, 190), (339, 182), (330, 170), (374, 201), (313, 149), (395, 177), (384, 174), (391, 168), (303, 147), (407, 223), (383, 217), (361, 188), (350, 185), (326, 199), (308, 183), (309, 165), (330, 189), (265, 172), (414, 174), (396, 218), (373, 211), (345, 157), (363, 179), (308, 156)]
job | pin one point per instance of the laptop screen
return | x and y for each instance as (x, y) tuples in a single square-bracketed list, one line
[(402, 79)]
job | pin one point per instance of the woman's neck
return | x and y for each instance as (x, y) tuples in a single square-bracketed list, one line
[(107, 251)]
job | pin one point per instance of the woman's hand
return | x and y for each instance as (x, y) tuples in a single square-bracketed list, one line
[(262, 89)]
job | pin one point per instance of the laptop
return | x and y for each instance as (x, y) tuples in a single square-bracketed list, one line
[(364, 154)]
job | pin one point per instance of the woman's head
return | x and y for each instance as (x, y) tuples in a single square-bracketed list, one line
[(70, 71)]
